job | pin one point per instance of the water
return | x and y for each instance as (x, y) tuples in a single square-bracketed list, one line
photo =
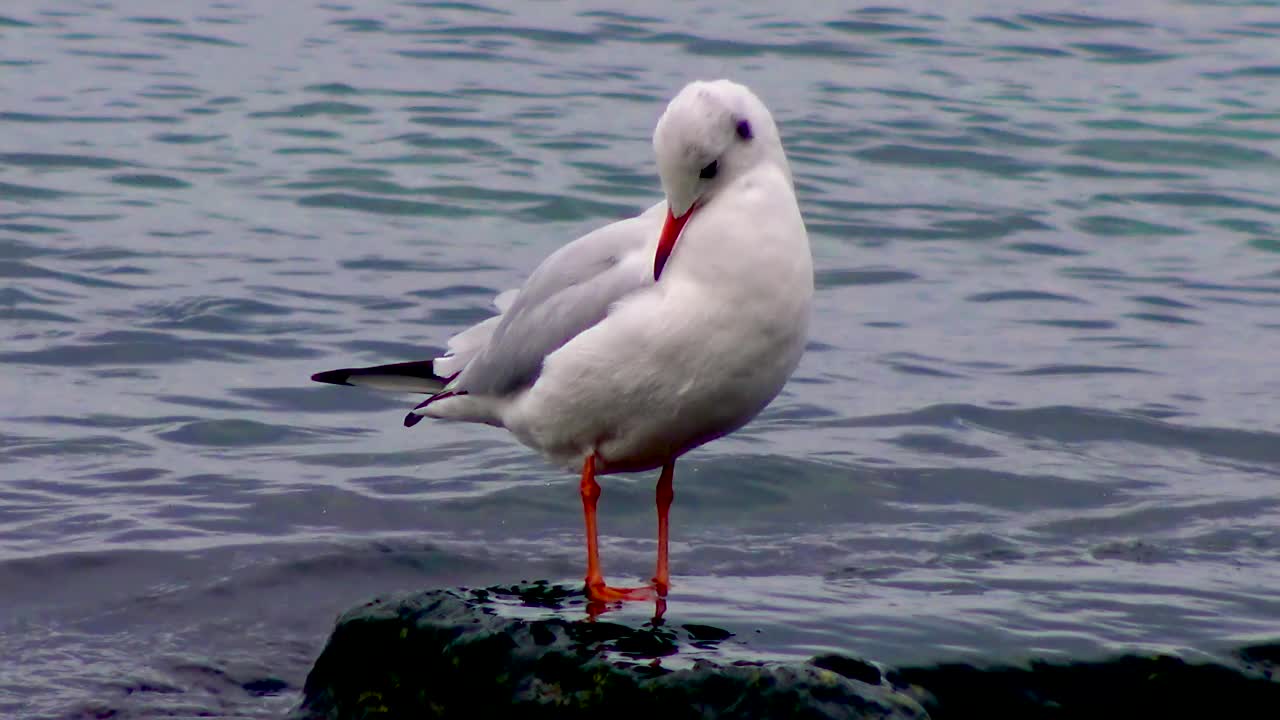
[(1036, 420)]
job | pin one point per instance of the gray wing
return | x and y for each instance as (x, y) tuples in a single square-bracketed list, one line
[(569, 292)]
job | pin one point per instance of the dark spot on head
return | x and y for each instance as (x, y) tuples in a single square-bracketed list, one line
[(744, 129)]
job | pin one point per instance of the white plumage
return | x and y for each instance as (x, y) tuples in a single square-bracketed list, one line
[(650, 336)]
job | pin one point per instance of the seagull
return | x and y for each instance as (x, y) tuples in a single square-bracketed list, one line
[(646, 338)]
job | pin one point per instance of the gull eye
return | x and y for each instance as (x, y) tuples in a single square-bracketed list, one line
[(710, 170)]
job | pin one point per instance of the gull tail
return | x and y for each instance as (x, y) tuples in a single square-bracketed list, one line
[(417, 376)]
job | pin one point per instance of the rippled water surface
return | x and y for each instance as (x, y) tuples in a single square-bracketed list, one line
[(1037, 417)]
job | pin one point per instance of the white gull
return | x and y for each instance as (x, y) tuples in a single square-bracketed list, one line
[(648, 337)]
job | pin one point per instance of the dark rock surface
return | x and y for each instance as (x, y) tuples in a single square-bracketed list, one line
[(452, 653), (510, 652), (1131, 686)]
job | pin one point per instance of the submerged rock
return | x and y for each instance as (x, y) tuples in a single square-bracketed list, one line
[(1130, 686), (452, 653)]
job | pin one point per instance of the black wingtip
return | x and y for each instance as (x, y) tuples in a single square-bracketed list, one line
[(423, 369), (412, 419), (333, 377)]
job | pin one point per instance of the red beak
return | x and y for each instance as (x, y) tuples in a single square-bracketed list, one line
[(667, 241)]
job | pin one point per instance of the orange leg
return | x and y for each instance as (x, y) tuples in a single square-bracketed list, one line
[(664, 495), (597, 591)]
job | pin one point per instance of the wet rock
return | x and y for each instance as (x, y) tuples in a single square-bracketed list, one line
[(530, 652), (1263, 660), (1130, 686), (500, 652)]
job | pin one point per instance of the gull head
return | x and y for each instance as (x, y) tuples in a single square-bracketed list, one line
[(711, 134)]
